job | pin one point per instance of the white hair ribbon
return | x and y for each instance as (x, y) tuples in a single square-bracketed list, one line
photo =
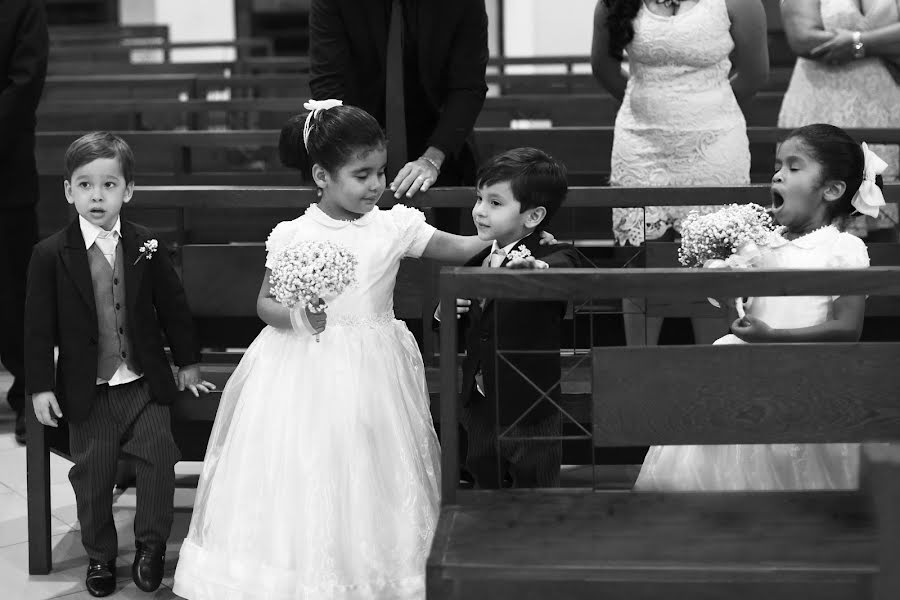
[(869, 198), (314, 106)]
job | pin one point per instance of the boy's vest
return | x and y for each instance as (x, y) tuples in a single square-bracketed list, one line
[(114, 345)]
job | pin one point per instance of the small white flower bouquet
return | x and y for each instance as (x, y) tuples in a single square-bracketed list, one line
[(729, 237), (307, 272)]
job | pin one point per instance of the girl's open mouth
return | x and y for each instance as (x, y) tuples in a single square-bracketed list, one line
[(777, 200)]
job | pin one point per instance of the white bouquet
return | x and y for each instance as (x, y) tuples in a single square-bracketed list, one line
[(729, 237), (307, 272)]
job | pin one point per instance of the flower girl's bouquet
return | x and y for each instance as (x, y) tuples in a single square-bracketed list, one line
[(729, 237), (305, 273)]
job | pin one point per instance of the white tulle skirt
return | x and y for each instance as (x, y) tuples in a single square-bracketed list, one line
[(322, 475), (759, 467)]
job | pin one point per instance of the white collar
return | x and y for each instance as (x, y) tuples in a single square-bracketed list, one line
[(318, 215), (506, 249), (90, 232), (808, 241)]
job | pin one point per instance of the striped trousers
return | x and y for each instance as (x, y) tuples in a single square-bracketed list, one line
[(528, 464), (123, 420)]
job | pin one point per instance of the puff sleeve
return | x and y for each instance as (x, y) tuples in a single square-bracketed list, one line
[(277, 241), (413, 232), (849, 252)]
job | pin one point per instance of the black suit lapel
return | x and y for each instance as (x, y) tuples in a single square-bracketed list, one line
[(532, 242), (75, 260), (133, 268)]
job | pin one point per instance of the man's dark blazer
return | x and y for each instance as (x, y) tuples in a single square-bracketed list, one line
[(60, 311), (348, 47), (521, 325), (24, 47)]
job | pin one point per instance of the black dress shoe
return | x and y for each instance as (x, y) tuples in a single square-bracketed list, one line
[(101, 578), (21, 432), (147, 570)]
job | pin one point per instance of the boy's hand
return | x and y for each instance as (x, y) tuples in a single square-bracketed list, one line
[(529, 262), (462, 307), (189, 377), (46, 408), (751, 329)]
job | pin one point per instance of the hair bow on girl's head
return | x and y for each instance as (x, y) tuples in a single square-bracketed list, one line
[(314, 107), (868, 198)]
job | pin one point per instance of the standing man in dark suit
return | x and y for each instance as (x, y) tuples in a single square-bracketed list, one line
[(103, 291), (417, 66), (24, 46)]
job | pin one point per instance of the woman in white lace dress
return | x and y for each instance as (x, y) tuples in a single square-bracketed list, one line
[(680, 123), (843, 77)]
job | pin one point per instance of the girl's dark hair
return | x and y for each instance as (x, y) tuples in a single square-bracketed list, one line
[(620, 23), (841, 158), (336, 135)]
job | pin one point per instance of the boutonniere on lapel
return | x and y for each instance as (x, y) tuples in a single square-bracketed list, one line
[(146, 250), (519, 253), (521, 258)]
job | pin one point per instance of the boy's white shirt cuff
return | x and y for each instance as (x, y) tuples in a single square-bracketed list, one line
[(299, 321)]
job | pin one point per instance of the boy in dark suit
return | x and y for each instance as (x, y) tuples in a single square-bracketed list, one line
[(518, 193), (99, 290)]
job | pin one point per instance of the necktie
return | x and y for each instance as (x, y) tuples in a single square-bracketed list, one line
[(394, 105), (106, 241), (493, 260)]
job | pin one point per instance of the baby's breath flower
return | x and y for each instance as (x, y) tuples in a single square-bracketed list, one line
[(306, 271), (718, 235)]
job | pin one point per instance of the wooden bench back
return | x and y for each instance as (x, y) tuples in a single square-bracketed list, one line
[(746, 394)]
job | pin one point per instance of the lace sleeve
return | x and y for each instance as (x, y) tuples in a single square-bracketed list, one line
[(277, 241), (414, 232)]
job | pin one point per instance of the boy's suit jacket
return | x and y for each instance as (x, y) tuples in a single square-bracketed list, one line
[(60, 310), (522, 325)]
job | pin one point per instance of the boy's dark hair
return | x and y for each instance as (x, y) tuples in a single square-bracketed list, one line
[(535, 178), (100, 144), (336, 135), (841, 158)]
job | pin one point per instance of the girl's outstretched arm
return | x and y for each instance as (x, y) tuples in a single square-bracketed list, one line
[(451, 248), (846, 326), (270, 311)]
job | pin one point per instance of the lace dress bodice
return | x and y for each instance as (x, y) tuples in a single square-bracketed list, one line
[(679, 123), (861, 93)]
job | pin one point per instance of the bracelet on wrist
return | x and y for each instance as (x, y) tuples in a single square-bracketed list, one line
[(859, 49), (432, 162)]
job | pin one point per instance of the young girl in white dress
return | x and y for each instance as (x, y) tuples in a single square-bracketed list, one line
[(822, 177), (322, 475)]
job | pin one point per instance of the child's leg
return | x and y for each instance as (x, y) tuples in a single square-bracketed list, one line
[(481, 452), (537, 464), (94, 445), (151, 444)]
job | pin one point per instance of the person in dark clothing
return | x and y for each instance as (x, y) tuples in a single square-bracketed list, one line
[(24, 46)]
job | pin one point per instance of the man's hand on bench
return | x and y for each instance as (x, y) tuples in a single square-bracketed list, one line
[(46, 408), (189, 377)]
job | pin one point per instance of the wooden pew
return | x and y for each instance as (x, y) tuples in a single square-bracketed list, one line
[(153, 51), (250, 157), (74, 35), (222, 279), (618, 545), (577, 110)]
